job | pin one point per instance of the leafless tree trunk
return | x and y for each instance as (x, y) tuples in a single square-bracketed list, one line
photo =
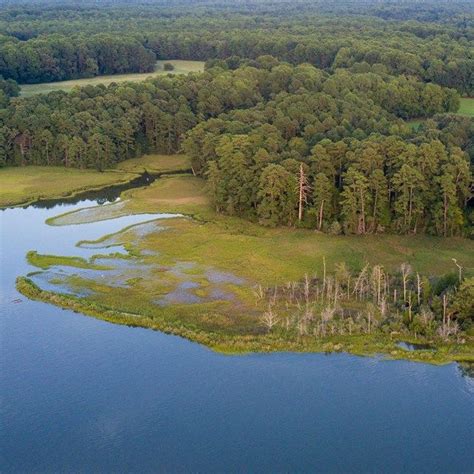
[(269, 318), (321, 215), (409, 307), (418, 287), (303, 192), (406, 270), (459, 269), (324, 275)]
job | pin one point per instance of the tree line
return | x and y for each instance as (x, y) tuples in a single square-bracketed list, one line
[(281, 144), (58, 57)]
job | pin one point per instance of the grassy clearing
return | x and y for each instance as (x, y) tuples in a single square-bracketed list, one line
[(22, 185), (172, 194), (32, 183), (467, 106), (180, 67)]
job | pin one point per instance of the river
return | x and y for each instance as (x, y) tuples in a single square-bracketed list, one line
[(83, 395)]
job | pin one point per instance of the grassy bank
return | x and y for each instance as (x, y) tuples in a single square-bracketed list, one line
[(156, 164), (23, 185), (180, 67), (367, 345), (27, 184)]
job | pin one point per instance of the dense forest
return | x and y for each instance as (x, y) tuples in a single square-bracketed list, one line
[(299, 119), (44, 43), (57, 57)]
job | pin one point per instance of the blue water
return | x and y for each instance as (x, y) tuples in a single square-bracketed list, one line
[(82, 395)]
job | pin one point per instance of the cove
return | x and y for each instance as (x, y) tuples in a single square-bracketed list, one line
[(82, 395)]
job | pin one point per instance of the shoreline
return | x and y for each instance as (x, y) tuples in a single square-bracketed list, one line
[(357, 344)]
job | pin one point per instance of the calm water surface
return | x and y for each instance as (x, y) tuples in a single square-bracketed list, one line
[(82, 395)]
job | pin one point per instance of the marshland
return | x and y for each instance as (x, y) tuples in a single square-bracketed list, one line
[(236, 237)]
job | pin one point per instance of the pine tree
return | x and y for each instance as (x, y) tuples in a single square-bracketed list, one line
[(409, 186), (323, 197), (355, 201), (447, 214), (278, 197)]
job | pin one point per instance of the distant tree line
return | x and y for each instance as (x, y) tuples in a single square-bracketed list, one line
[(281, 144), (57, 43)]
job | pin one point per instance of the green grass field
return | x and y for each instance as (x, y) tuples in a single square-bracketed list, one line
[(21, 185), (181, 67), (30, 183), (467, 106)]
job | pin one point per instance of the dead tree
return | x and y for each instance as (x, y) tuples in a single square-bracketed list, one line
[(418, 288), (405, 268), (304, 188), (459, 269), (360, 284), (326, 315), (377, 279), (269, 318)]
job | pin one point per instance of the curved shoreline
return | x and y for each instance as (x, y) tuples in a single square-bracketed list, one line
[(74, 194), (83, 192), (360, 345), (233, 343)]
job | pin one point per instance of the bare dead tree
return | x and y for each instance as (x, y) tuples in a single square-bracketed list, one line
[(326, 315), (274, 297), (377, 278), (405, 268), (383, 307), (360, 284), (304, 188), (269, 318), (459, 269), (418, 288), (410, 315)]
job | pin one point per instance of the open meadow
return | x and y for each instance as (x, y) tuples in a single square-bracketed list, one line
[(180, 67)]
